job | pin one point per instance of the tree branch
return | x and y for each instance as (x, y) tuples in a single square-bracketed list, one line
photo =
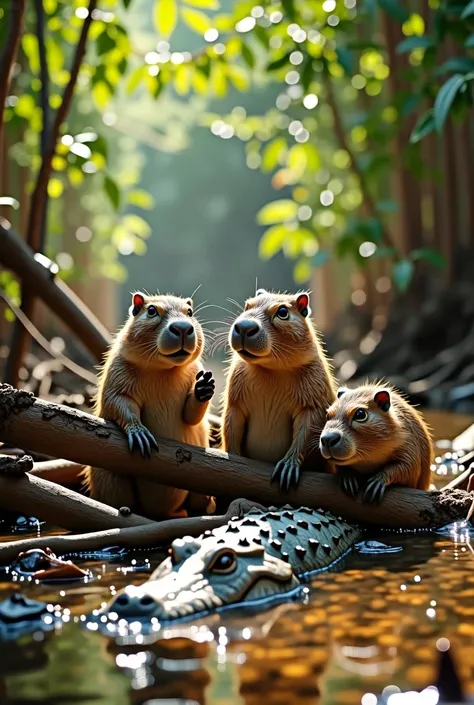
[(18, 257), (70, 365), (30, 495), (38, 204), (44, 101), (40, 192), (7, 60), (77, 436), (344, 143)]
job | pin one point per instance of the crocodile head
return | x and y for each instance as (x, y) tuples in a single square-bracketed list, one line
[(200, 577), (250, 560)]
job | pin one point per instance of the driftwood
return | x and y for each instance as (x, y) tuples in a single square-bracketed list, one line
[(19, 258), (151, 535), (22, 492), (78, 436)]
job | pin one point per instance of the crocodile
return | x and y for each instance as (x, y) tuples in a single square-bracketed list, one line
[(257, 559)]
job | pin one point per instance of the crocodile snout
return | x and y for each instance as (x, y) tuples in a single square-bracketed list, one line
[(136, 605)]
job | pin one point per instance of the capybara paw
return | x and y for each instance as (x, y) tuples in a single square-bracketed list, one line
[(288, 471), (205, 386), (375, 490), (139, 435)]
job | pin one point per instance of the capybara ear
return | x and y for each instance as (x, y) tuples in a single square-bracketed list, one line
[(382, 399), (261, 292), (138, 302), (302, 304), (341, 391), (189, 302)]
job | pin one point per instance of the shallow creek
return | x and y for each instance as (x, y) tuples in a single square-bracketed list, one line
[(373, 626)]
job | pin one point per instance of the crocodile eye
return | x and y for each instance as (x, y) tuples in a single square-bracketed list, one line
[(152, 311), (360, 416), (283, 313), (190, 312), (224, 563)]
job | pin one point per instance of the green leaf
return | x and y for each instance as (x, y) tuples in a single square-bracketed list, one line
[(136, 77), (262, 36), (445, 99), (205, 4), (165, 16), (277, 212), (141, 198), (238, 76), (29, 42), (313, 160), (432, 256), (458, 64), (424, 125), (105, 43), (297, 161), (112, 191), (382, 252), (25, 106), (272, 241), (414, 42), (320, 258), (288, 8), (344, 57), (196, 20), (302, 270), (126, 3), (394, 9), (468, 10), (247, 56), (279, 63), (403, 274), (137, 225), (101, 94), (273, 153), (469, 43)]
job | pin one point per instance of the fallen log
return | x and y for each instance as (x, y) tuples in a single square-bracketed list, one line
[(147, 536), (19, 258), (22, 492), (78, 436)]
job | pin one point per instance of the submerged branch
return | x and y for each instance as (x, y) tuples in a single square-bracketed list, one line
[(78, 436), (151, 535)]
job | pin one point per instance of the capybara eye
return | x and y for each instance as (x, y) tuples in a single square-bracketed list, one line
[(190, 312), (283, 313), (152, 311), (361, 415)]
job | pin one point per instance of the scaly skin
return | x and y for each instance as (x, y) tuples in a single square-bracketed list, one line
[(257, 558)]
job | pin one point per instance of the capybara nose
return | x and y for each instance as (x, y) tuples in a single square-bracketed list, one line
[(246, 328), (134, 605), (331, 439), (181, 329)]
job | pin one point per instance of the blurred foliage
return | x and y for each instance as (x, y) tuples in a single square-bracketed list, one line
[(332, 63), (94, 190), (330, 204)]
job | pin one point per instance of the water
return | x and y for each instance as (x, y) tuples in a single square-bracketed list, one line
[(373, 626)]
